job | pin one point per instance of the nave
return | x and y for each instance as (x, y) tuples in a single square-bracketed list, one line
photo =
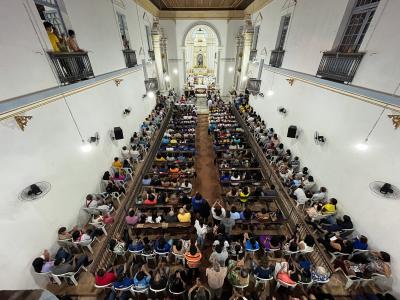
[(202, 205)]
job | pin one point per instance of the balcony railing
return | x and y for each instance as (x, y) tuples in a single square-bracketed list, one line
[(253, 54), (276, 58), (339, 66), (71, 67), (130, 58), (253, 85)]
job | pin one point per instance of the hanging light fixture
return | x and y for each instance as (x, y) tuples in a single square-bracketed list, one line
[(363, 146)]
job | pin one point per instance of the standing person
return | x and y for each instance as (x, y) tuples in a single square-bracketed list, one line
[(216, 276), (54, 41), (228, 223), (72, 43), (201, 230), (209, 103), (193, 258)]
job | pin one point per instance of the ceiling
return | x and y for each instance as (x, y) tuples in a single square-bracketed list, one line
[(202, 4)]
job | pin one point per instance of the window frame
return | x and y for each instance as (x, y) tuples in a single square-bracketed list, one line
[(282, 33), (369, 10)]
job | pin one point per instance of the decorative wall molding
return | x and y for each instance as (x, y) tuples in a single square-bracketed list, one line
[(290, 81), (22, 121), (16, 106), (118, 81), (228, 59), (374, 97), (396, 120)]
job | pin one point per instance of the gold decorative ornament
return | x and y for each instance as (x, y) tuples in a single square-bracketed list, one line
[(22, 121), (395, 120), (290, 81), (118, 81)]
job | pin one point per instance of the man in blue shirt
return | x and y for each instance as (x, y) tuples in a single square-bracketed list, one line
[(142, 278)]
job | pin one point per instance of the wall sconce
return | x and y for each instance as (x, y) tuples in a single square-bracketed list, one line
[(282, 110), (319, 139), (126, 111)]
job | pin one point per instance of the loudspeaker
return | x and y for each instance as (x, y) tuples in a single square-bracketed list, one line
[(292, 131), (119, 135)]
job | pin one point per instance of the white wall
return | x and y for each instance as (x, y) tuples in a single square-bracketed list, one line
[(338, 165), (49, 150), (314, 28), (24, 66)]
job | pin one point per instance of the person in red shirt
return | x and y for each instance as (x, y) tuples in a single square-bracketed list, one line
[(105, 277)]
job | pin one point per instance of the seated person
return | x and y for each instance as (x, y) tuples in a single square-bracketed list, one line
[(61, 266), (306, 245), (235, 178), (146, 180), (262, 216), (273, 242), (45, 262), (246, 214), (225, 177), (103, 277), (175, 183), (153, 218), (336, 244), (136, 244), (169, 215), (172, 199), (232, 193), (162, 246), (183, 215), (299, 195), (251, 244), (174, 171), (117, 164), (265, 269), (158, 281), (123, 281), (63, 234), (360, 243), (177, 247), (117, 245), (176, 283), (151, 199), (340, 224), (131, 218), (234, 213), (97, 203), (302, 270), (142, 278), (186, 187), (159, 157), (321, 209), (244, 194), (237, 274)]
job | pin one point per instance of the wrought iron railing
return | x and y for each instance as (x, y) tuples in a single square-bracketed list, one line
[(339, 66), (71, 66), (276, 58), (253, 85), (104, 257), (294, 216), (130, 58)]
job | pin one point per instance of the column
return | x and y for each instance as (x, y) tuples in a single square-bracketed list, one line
[(156, 37), (247, 41), (238, 63)]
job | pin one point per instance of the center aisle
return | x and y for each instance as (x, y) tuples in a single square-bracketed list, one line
[(207, 181)]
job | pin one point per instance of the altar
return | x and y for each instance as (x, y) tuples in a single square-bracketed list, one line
[(200, 59)]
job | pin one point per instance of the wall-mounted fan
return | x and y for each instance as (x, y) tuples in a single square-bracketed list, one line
[(35, 191), (319, 139), (384, 190)]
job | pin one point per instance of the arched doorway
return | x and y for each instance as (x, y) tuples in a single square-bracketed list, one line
[(201, 58)]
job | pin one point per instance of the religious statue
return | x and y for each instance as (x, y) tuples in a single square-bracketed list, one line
[(200, 60)]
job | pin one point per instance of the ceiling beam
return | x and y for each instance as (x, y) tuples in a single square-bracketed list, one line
[(202, 14), (256, 6)]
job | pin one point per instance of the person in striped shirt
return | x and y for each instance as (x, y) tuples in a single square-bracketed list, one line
[(193, 258)]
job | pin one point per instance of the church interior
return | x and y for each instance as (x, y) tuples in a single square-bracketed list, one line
[(200, 149)]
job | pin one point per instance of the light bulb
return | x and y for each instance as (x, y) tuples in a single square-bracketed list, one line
[(167, 78), (86, 147), (150, 94), (230, 69), (362, 146), (175, 71), (244, 78), (270, 92)]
